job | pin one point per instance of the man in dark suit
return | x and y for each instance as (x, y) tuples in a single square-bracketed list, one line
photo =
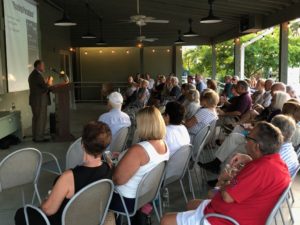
[(39, 99)]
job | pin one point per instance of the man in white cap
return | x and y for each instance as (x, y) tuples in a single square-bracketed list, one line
[(115, 118)]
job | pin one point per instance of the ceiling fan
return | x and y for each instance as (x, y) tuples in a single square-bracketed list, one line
[(142, 20), (142, 38)]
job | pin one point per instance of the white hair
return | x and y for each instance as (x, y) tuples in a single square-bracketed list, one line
[(280, 98)]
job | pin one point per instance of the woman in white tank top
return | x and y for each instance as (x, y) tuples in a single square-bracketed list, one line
[(140, 158)]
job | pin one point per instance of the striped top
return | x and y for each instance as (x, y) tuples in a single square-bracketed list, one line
[(204, 117), (289, 156)]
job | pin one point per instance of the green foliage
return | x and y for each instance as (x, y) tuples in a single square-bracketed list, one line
[(261, 57)]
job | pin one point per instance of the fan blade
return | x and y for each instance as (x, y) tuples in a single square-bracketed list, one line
[(157, 21), (150, 39)]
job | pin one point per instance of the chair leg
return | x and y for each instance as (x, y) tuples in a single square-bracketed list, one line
[(290, 210), (191, 184), (36, 192), (183, 191), (292, 195), (160, 205), (156, 211), (196, 175), (282, 218)]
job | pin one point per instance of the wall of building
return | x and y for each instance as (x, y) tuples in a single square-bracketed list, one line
[(115, 64), (52, 40)]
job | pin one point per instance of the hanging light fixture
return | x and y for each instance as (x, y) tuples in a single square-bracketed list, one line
[(179, 41), (190, 33), (211, 18), (88, 34), (65, 21), (101, 40)]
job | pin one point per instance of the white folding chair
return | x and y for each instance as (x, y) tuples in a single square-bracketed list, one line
[(177, 166), (19, 168), (89, 205), (198, 145), (118, 144), (277, 208), (74, 156), (148, 191)]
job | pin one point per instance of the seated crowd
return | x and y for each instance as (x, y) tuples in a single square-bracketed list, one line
[(260, 121)]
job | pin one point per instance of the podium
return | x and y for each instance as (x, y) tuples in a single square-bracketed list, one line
[(62, 112)]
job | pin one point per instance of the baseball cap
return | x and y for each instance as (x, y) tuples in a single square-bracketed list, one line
[(115, 98)]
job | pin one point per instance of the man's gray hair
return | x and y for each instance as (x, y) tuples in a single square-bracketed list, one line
[(268, 137), (286, 124)]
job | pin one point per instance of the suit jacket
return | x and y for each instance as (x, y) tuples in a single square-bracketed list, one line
[(38, 88)]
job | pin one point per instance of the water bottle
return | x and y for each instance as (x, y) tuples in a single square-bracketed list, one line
[(165, 198)]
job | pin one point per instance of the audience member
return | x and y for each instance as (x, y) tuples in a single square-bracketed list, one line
[(292, 108), (150, 80), (212, 84), (140, 158), (235, 79), (257, 96), (287, 126), (115, 118), (256, 187), (177, 134), (291, 91), (206, 114), (242, 103), (227, 88), (266, 99), (200, 84), (96, 137), (191, 104), (175, 89), (185, 88)]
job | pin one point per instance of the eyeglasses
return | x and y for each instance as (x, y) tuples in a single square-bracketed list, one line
[(250, 139)]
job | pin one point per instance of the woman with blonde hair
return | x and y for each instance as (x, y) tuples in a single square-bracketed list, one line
[(191, 104), (140, 158)]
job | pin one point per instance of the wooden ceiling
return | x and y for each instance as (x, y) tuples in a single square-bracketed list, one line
[(118, 33)]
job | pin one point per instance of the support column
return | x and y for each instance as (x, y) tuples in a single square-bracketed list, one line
[(141, 60), (214, 61), (174, 60), (283, 52), (237, 57)]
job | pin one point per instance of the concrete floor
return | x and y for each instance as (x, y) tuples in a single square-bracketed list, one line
[(10, 200)]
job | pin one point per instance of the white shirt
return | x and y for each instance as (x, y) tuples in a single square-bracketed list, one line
[(129, 189), (176, 137), (115, 119), (151, 83), (204, 117), (267, 97), (289, 156)]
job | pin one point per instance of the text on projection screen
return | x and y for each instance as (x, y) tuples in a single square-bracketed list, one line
[(21, 41)]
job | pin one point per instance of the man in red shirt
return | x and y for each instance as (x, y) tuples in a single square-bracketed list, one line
[(249, 196)]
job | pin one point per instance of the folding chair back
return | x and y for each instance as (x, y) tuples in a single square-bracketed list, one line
[(276, 208), (19, 168), (212, 132), (199, 142), (149, 186), (38, 211), (89, 205), (135, 138), (177, 165), (74, 156), (118, 144)]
